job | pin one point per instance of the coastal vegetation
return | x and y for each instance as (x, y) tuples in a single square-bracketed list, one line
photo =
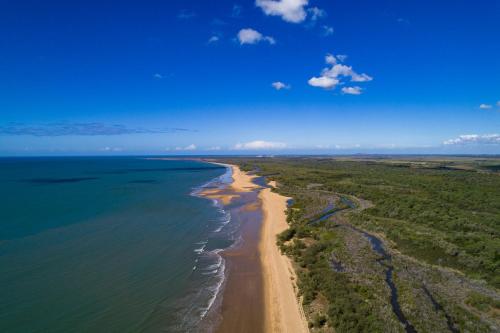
[(392, 244)]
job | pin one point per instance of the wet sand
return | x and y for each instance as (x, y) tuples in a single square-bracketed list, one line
[(241, 308)]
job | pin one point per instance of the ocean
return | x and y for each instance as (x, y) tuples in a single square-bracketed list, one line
[(119, 244)]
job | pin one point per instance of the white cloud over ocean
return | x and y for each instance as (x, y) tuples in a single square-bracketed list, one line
[(259, 145)]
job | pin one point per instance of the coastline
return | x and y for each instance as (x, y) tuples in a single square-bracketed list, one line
[(283, 312), (259, 294)]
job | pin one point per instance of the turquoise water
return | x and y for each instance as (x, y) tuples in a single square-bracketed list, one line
[(107, 244)]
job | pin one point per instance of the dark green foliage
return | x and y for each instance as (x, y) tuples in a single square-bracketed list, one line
[(286, 235)]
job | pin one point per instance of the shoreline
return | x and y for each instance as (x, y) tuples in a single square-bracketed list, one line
[(239, 306), (284, 312), (260, 290)]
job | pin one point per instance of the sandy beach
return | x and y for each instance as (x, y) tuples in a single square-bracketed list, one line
[(260, 275), (283, 311)]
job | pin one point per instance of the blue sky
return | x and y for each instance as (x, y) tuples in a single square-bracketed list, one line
[(264, 76)]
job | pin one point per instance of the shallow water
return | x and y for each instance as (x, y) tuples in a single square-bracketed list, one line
[(107, 244)]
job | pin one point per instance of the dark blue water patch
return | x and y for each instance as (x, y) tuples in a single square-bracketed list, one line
[(327, 213), (143, 181), (438, 307), (261, 181), (57, 180), (290, 202), (136, 170), (347, 202), (328, 208), (323, 217)]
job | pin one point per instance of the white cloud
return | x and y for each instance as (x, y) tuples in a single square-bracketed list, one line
[(323, 82), (259, 144), (352, 90), (360, 77), (289, 10), (215, 148), (251, 36), (316, 13), (213, 39), (189, 147), (327, 30), (331, 77), (158, 76), (498, 103), (278, 85), (485, 106), (468, 139), (330, 59)]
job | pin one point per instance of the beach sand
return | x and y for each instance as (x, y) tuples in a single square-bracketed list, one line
[(283, 311), (260, 293)]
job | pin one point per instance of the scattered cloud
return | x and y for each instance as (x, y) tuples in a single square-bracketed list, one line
[(189, 147), (278, 85), (80, 129), (327, 30), (158, 76), (185, 14), (316, 13), (477, 139), (215, 148), (251, 36), (213, 39), (259, 144), (498, 104), (352, 90), (338, 74), (236, 12), (289, 10), (485, 106)]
